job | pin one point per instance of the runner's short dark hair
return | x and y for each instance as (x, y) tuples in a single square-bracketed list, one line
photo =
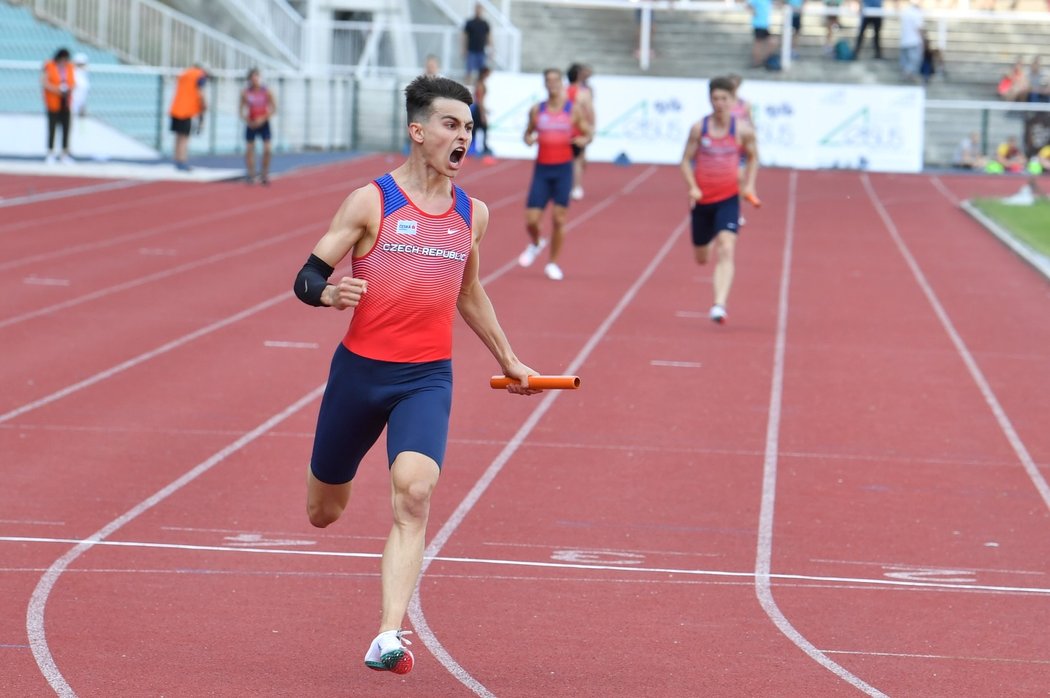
[(721, 83), (424, 90)]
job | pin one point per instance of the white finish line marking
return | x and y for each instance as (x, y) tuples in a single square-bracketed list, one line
[(291, 345), (44, 281), (871, 582), (676, 364)]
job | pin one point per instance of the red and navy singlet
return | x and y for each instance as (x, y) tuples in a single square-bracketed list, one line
[(258, 101), (414, 272), (555, 132), (716, 164)]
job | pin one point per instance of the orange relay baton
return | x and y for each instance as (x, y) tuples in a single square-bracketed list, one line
[(753, 200), (539, 382)]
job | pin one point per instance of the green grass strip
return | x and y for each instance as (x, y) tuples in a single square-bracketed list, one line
[(1029, 224)]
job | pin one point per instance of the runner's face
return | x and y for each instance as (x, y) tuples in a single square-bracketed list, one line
[(554, 86), (447, 135), (721, 101)]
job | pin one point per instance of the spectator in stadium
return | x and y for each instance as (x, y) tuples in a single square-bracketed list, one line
[(831, 24), (932, 60), (869, 19), (257, 106), (1043, 158), (477, 42), (1010, 156), (968, 154), (764, 44), (432, 68), (58, 81), (188, 104), (796, 24), (1013, 86), (1038, 82), (911, 40)]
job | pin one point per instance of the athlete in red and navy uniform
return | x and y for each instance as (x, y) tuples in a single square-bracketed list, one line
[(412, 237), (580, 94), (710, 168), (257, 106), (556, 125)]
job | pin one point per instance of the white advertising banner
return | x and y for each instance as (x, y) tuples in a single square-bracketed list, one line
[(803, 125)]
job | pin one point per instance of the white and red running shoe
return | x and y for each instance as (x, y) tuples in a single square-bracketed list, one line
[(387, 652)]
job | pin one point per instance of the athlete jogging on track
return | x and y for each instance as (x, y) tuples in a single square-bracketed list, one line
[(580, 94), (413, 239), (709, 166), (556, 124)]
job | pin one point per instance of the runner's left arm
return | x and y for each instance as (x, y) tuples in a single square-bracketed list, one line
[(749, 143), (476, 309)]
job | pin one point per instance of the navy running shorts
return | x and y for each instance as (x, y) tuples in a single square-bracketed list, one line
[(412, 400), (262, 131), (550, 183), (711, 219)]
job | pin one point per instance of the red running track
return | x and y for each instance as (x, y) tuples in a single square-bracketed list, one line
[(841, 492)]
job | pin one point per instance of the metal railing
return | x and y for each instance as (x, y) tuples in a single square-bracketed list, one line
[(937, 20), (314, 112), (379, 48), (339, 110), (147, 32), (506, 38), (277, 21)]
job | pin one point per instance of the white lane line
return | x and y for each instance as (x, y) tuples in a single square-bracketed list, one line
[(141, 358), (676, 364), (44, 281), (861, 582), (990, 399), (641, 448), (66, 193), (415, 607), (185, 224), (163, 274), (32, 522), (278, 344), (956, 658), (690, 313), (764, 552), (35, 625), (902, 566)]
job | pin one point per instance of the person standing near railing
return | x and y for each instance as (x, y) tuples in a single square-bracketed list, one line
[(257, 106), (58, 81), (477, 42), (187, 104), (867, 19), (764, 44), (911, 42)]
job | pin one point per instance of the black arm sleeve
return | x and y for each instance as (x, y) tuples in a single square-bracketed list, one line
[(312, 279)]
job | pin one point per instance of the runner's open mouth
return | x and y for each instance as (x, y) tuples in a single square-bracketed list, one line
[(457, 155)]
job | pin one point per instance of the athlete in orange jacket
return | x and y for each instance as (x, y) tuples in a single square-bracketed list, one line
[(57, 82), (187, 104)]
